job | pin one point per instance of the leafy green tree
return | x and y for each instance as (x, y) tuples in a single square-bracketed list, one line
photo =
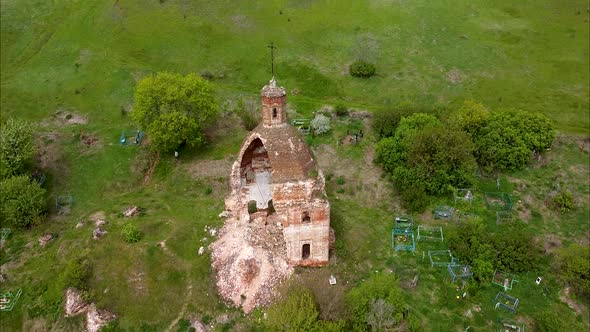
[(16, 147), (22, 202), (386, 121), (362, 302), (573, 266), (425, 157), (502, 147), (510, 138), (294, 311), (471, 117), (174, 109)]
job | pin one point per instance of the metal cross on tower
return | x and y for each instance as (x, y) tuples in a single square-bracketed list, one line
[(272, 58)]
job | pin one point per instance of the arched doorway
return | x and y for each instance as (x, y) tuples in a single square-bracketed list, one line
[(255, 173), (306, 251)]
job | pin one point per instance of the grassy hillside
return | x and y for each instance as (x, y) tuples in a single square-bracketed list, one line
[(87, 54), (84, 57)]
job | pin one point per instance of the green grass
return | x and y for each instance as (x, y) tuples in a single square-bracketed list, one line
[(86, 56)]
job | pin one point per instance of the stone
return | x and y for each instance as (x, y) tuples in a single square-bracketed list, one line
[(44, 240), (80, 224), (201, 251), (223, 215), (98, 233), (97, 318), (131, 211), (75, 304)]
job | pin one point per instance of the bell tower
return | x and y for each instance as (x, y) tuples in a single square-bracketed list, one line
[(274, 110)]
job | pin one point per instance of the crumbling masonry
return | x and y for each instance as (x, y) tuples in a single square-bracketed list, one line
[(276, 171), (278, 215)]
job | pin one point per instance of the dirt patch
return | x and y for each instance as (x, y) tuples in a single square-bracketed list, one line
[(152, 166), (564, 296), (136, 282), (455, 76), (88, 139), (66, 117), (210, 168), (363, 179), (551, 242), (584, 144), (241, 21), (49, 152)]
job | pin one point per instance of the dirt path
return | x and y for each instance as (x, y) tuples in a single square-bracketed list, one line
[(564, 296), (189, 294), (153, 163)]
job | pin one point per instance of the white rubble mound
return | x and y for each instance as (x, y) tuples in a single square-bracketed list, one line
[(249, 260)]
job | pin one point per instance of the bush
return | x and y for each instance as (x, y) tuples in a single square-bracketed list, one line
[(320, 124), (511, 249), (22, 202), (386, 121), (16, 147), (294, 311), (131, 232), (341, 110), (252, 207), (248, 113), (564, 201), (573, 266), (368, 301), (77, 273), (362, 69)]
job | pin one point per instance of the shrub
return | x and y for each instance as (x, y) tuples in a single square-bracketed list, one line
[(77, 273), (340, 180), (248, 113), (341, 110), (379, 291), (294, 311), (252, 207), (22, 202), (320, 124), (131, 232), (386, 121), (573, 265), (564, 201), (16, 147), (362, 69)]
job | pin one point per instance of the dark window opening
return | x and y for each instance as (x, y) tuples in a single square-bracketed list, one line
[(305, 217), (306, 251), (274, 112)]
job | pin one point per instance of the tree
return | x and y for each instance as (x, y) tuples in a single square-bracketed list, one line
[(471, 117), (386, 121), (320, 124), (501, 146), (22, 202), (174, 109), (16, 147), (294, 311), (380, 316), (362, 302), (511, 137), (425, 157)]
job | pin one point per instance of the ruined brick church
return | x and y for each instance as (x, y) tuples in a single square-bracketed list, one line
[(276, 180)]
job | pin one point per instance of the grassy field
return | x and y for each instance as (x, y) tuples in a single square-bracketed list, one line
[(84, 58)]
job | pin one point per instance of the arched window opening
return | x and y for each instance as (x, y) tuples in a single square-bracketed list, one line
[(274, 112), (305, 217)]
